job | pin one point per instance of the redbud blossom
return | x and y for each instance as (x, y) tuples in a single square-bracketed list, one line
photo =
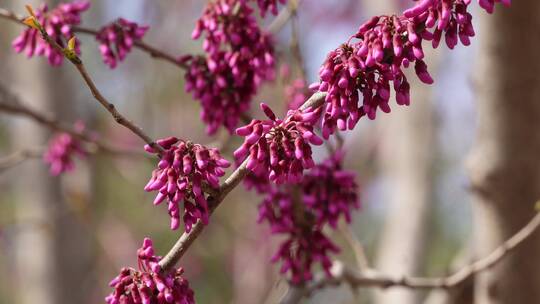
[(61, 151), (365, 70), (305, 244), (58, 24), (330, 192), (148, 285), (269, 5), (239, 58), (184, 169), (282, 148), (117, 39)]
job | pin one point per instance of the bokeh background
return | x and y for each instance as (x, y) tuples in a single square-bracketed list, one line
[(65, 238)]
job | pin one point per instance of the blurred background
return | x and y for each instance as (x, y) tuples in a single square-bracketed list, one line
[(63, 239)]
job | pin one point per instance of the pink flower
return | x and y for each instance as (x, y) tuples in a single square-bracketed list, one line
[(367, 68), (301, 212), (148, 284), (184, 169), (269, 5), (58, 24), (304, 245), (117, 39), (280, 148), (330, 192), (61, 150), (239, 58)]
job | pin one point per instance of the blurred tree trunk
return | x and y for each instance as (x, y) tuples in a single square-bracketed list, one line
[(504, 165), (406, 161), (52, 252)]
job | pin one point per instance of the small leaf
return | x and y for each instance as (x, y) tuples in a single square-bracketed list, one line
[(71, 44), (31, 22)]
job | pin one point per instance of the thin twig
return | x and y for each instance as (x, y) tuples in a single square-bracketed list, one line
[(283, 17), (111, 108), (18, 157), (141, 45), (9, 103), (356, 279)]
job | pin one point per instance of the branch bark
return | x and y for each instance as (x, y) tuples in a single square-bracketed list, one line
[(357, 279)]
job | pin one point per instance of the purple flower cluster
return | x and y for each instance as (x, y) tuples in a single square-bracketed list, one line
[(184, 169), (239, 57), (387, 44), (117, 39), (330, 192), (61, 150), (326, 193), (58, 25), (148, 285), (269, 5), (305, 242), (280, 149)]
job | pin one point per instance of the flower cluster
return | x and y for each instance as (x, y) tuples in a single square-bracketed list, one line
[(269, 5), (58, 25), (387, 44), (117, 39), (281, 149), (239, 57), (326, 194), (330, 192), (61, 150), (184, 169), (305, 243), (148, 284)]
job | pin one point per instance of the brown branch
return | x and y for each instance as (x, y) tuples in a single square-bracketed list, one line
[(18, 157), (356, 279), (283, 17), (111, 108), (141, 45), (9, 103)]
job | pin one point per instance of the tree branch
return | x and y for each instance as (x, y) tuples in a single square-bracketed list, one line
[(141, 45), (18, 157), (356, 279), (9, 103)]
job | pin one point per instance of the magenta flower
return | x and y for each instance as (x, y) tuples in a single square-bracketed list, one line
[(117, 39), (330, 192), (184, 169), (269, 5), (61, 151), (366, 69), (240, 57), (281, 148), (305, 243), (58, 24), (148, 284)]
